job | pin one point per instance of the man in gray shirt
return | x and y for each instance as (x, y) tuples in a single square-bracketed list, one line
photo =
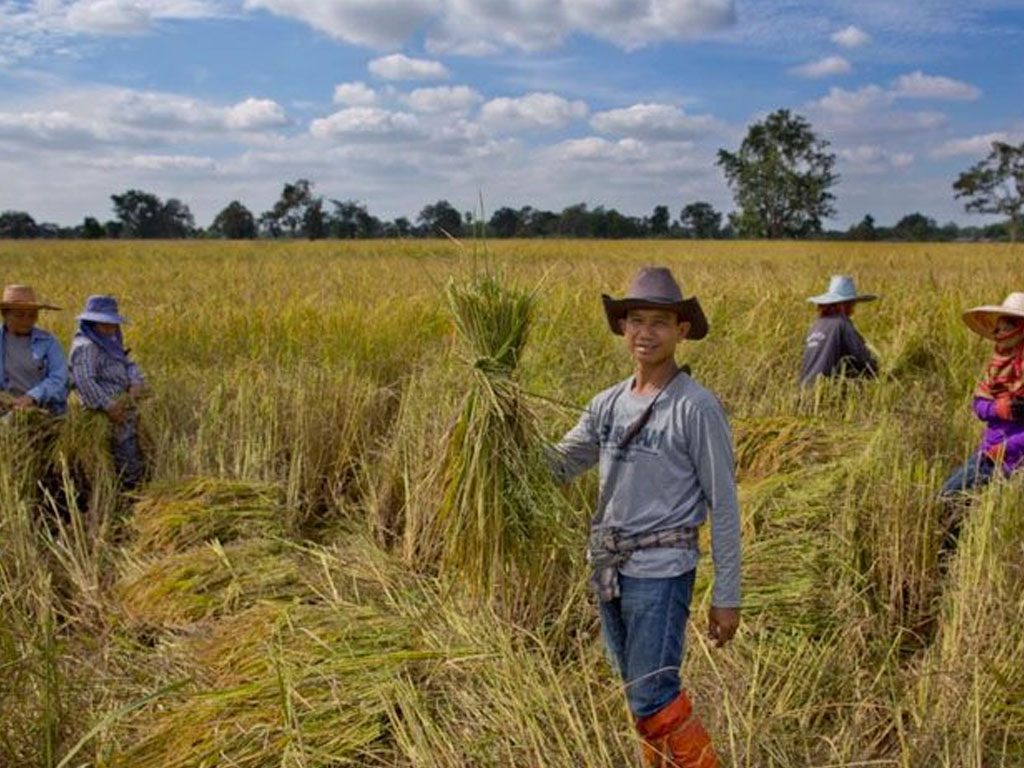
[(833, 346), (34, 372), (664, 452)]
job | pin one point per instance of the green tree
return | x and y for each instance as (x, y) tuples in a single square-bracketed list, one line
[(659, 221), (916, 227), (863, 230), (92, 229), (996, 185), (235, 222), (144, 215), (440, 219), (504, 222), (700, 221), (780, 177), (290, 212), (17, 225)]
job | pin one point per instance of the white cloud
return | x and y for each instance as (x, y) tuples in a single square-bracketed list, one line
[(535, 110), (595, 148), (830, 65), (918, 85), (475, 26), (656, 122), (119, 17), (80, 119), (171, 163), (851, 37), (978, 146), (355, 94), (398, 66), (459, 98), (870, 159), (842, 101), (366, 122), (255, 115), (373, 23)]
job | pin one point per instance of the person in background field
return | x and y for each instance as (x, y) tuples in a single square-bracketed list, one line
[(833, 346), (107, 380), (34, 372), (664, 450), (998, 400)]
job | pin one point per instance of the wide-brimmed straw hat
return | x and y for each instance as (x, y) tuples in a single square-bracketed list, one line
[(655, 288), (840, 290), (102, 309), (982, 320), (22, 297)]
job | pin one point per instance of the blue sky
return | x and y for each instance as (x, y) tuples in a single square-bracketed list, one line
[(399, 103)]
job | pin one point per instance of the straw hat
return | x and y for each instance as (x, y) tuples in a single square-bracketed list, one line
[(22, 297), (982, 320), (840, 290), (655, 288), (102, 309)]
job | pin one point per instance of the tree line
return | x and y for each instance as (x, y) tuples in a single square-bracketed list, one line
[(781, 176)]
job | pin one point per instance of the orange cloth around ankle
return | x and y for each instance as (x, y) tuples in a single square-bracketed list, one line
[(675, 738)]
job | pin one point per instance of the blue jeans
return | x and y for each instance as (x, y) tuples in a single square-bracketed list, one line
[(976, 472), (128, 460), (644, 631)]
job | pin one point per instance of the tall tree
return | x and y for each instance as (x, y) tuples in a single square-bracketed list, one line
[(91, 229), (916, 227), (996, 185), (144, 215), (700, 221), (441, 218), (17, 225), (290, 211), (659, 222), (863, 230), (139, 213), (780, 176), (235, 222), (504, 222)]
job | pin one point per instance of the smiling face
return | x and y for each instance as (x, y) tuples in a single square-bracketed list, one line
[(652, 335), (20, 322)]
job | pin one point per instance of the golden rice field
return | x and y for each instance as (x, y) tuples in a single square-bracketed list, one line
[(310, 577)]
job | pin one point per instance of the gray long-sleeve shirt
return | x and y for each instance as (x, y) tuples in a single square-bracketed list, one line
[(833, 345), (676, 468)]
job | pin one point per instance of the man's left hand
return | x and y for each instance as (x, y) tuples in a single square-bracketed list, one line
[(23, 403), (722, 624)]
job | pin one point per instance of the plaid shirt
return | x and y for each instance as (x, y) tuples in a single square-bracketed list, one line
[(99, 378)]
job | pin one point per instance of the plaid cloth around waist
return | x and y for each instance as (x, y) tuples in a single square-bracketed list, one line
[(608, 549)]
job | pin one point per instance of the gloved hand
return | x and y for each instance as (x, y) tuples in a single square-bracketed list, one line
[(1010, 408)]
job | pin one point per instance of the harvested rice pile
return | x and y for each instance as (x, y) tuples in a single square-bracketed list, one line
[(175, 517)]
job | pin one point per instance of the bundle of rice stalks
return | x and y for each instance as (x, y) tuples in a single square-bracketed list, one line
[(183, 515), (502, 521), (179, 589), (83, 448), (302, 685)]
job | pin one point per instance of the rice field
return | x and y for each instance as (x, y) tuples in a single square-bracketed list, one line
[(347, 554)]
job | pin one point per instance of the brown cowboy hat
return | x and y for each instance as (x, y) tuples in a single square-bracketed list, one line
[(655, 288), (982, 320), (22, 297)]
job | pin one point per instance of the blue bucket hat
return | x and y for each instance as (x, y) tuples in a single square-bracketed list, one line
[(841, 289), (102, 309)]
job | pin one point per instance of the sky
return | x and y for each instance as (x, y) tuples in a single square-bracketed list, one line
[(549, 103)]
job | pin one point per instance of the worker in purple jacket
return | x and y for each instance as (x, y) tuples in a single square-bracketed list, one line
[(833, 347), (998, 398)]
